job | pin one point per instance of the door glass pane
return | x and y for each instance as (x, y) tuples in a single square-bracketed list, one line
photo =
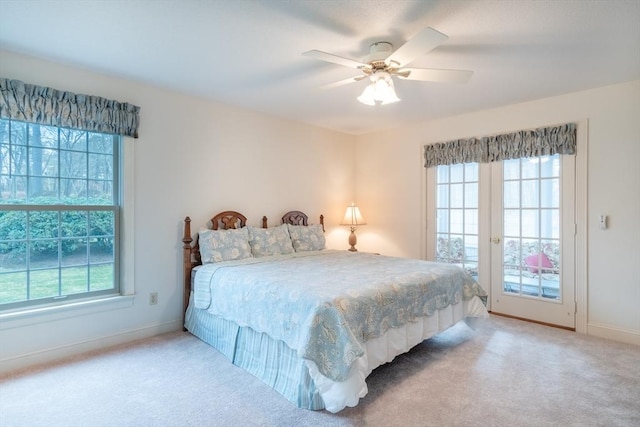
[(530, 222), (511, 169), (457, 195), (549, 193), (457, 216), (531, 230), (442, 196), (457, 221), (530, 168), (471, 249), (530, 194), (442, 175), (442, 219), (511, 198), (511, 222), (471, 221), (550, 223), (549, 166), (457, 172), (471, 195), (471, 172)]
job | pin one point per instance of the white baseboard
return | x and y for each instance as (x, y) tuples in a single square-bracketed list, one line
[(616, 334), (58, 353)]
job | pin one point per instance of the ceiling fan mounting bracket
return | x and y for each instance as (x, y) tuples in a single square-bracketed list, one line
[(381, 47), (378, 52)]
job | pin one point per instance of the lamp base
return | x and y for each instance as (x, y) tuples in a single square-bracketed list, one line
[(353, 240)]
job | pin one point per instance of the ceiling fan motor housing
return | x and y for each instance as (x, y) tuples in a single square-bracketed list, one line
[(378, 52)]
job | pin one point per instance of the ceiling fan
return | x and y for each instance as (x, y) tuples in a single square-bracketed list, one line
[(382, 63)]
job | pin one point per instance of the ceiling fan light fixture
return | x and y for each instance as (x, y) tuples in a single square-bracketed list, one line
[(380, 90)]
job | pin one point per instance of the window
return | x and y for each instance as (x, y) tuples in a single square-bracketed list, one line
[(457, 215), (59, 214)]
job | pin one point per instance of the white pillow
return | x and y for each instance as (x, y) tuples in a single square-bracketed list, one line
[(270, 241), (307, 237), (224, 245)]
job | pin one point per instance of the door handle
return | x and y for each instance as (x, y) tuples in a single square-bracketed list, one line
[(495, 240)]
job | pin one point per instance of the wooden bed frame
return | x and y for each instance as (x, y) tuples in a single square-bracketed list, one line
[(226, 220)]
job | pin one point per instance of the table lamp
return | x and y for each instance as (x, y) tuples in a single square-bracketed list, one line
[(353, 218)]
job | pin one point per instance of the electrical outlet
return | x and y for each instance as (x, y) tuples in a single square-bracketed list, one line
[(153, 298)]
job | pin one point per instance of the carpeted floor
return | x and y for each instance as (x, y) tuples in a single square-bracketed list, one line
[(507, 373)]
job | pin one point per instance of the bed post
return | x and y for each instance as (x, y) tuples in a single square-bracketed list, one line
[(186, 267), (264, 222), (322, 221)]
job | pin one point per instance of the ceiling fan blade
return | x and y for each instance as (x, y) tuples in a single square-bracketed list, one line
[(323, 56), (420, 44), (343, 82), (434, 75)]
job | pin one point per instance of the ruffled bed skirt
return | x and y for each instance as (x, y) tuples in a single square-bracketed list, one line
[(297, 379)]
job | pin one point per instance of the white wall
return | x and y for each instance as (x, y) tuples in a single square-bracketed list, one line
[(194, 157), (390, 188)]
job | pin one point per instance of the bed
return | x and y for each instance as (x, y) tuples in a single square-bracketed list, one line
[(312, 322)]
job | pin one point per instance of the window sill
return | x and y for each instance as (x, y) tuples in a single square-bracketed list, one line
[(32, 316)]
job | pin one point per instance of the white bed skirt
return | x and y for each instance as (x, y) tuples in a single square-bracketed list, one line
[(299, 380)]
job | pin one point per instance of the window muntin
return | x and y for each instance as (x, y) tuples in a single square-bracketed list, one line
[(59, 214)]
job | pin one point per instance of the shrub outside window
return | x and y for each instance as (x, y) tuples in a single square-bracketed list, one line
[(59, 214)]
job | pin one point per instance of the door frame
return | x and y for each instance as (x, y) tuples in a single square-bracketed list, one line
[(428, 218)]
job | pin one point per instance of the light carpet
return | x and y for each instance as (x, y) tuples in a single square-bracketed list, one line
[(506, 373)]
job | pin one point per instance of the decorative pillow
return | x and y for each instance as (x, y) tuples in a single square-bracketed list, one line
[(307, 238), (270, 241), (224, 245), (537, 260)]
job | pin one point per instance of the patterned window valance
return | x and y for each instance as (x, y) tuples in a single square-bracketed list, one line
[(526, 143), (47, 106)]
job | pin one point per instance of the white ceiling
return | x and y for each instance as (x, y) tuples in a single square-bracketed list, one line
[(248, 53)]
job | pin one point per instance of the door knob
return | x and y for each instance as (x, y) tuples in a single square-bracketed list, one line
[(496, 240)]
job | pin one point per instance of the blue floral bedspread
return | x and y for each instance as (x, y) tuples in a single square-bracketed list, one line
[(325, 304)]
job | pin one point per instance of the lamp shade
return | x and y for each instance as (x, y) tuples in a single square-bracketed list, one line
[(389, 94), (367, 96), (380, 90), (353, 217)]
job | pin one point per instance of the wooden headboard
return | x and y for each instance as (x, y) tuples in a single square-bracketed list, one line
[(294, 218), (224, 220)]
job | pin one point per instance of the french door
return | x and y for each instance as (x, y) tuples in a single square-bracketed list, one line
[(511, 225), (532, 239)]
